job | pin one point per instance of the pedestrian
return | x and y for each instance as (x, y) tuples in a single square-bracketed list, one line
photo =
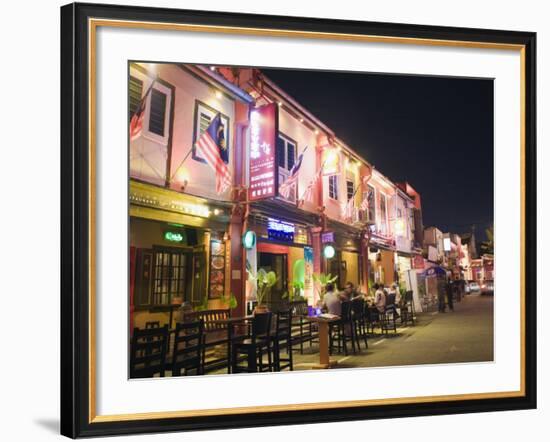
[(450, 292), (441, 292)]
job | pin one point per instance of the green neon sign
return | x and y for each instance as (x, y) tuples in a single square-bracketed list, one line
[(173, 236)]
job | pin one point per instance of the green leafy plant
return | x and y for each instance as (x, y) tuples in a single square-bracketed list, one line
[(322, 279), (295, 292), (264, 282), (230, 301)]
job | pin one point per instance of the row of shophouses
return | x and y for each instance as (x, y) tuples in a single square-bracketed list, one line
[(192, 241)]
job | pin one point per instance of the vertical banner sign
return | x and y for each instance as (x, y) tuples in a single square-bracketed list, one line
[(308, 273), (263, 152)]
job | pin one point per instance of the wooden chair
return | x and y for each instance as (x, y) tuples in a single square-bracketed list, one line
[(302, 331), (343, 330), (254, 346), (359, 321), (188, 352), (283, 340), (215, 333), (148, 352), (407, 310)]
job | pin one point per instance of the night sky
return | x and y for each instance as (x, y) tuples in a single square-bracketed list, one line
[(434, 132)]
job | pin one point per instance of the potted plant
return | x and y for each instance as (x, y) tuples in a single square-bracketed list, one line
[(322, 279), (230, 301), (264, 282), (295, 292)]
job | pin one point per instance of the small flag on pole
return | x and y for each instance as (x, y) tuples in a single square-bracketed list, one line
[(212, 147)]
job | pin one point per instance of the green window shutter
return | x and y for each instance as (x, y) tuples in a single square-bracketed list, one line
[(158, 112), (135, 91)]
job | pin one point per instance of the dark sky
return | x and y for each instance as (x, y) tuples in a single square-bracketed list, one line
[(434, 132)]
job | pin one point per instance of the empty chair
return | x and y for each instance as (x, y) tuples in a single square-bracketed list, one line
[(188, 352), (359, 321), (302, 330), (148, 352), (407, 309), (343, 330), (282, 340), (254, 346)]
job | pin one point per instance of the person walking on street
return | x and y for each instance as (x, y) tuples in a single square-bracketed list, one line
[(441, 292), (450, 289)]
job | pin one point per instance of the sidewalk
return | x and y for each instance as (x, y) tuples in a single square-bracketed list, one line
[(465, 335)]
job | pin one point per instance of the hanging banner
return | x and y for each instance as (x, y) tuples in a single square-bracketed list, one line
[(263, 152), (331, 161), (308, 273)]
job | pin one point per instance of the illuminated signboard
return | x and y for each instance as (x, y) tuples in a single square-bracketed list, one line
[(327, 237), (329, 252), (263, 152), (447, 244), (173, 236), (249, 239), (280, 230)]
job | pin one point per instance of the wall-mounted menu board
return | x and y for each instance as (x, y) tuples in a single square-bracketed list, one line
[(217, 267)]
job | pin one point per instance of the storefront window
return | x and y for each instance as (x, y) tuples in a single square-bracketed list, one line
[(170, 271)]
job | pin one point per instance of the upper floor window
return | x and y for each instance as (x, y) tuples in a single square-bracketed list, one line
[(135, 91), (286, 152), (333, 187), (371, 208), (350, 189), (158, 112)]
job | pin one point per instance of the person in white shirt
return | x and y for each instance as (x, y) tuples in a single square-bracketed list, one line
[(380, 298), (332, 301)]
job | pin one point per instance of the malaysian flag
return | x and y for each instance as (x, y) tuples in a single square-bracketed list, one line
[(284, 189), (367, 194), (212, 147), (136, 122)]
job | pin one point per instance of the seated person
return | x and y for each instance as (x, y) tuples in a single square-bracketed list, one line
[(332, 301), (351, 293), (380, 298)]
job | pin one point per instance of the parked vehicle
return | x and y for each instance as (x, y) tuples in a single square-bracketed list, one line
[(487, 288), (474, 287)]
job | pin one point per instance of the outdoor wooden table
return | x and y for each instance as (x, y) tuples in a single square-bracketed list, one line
[(323, 323), (230, 322)]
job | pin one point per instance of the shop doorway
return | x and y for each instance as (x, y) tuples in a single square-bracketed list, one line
[(277, 263)]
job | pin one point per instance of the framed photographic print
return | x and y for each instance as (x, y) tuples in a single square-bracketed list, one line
[(279, 220)]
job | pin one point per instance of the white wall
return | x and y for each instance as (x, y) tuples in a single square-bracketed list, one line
[(30, 393)]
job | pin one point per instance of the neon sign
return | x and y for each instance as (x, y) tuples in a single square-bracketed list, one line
[(263, 155), (173, 236), (280, 230)]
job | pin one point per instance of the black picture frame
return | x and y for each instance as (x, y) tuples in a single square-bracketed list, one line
[(77, 420)]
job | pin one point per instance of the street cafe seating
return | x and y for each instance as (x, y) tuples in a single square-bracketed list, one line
[(148, 352), (343, 330), (215, 333), (302, 330), (359, 321), (254, 346), (188, 350), (387, 318), (407, 309), (282, 340)]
